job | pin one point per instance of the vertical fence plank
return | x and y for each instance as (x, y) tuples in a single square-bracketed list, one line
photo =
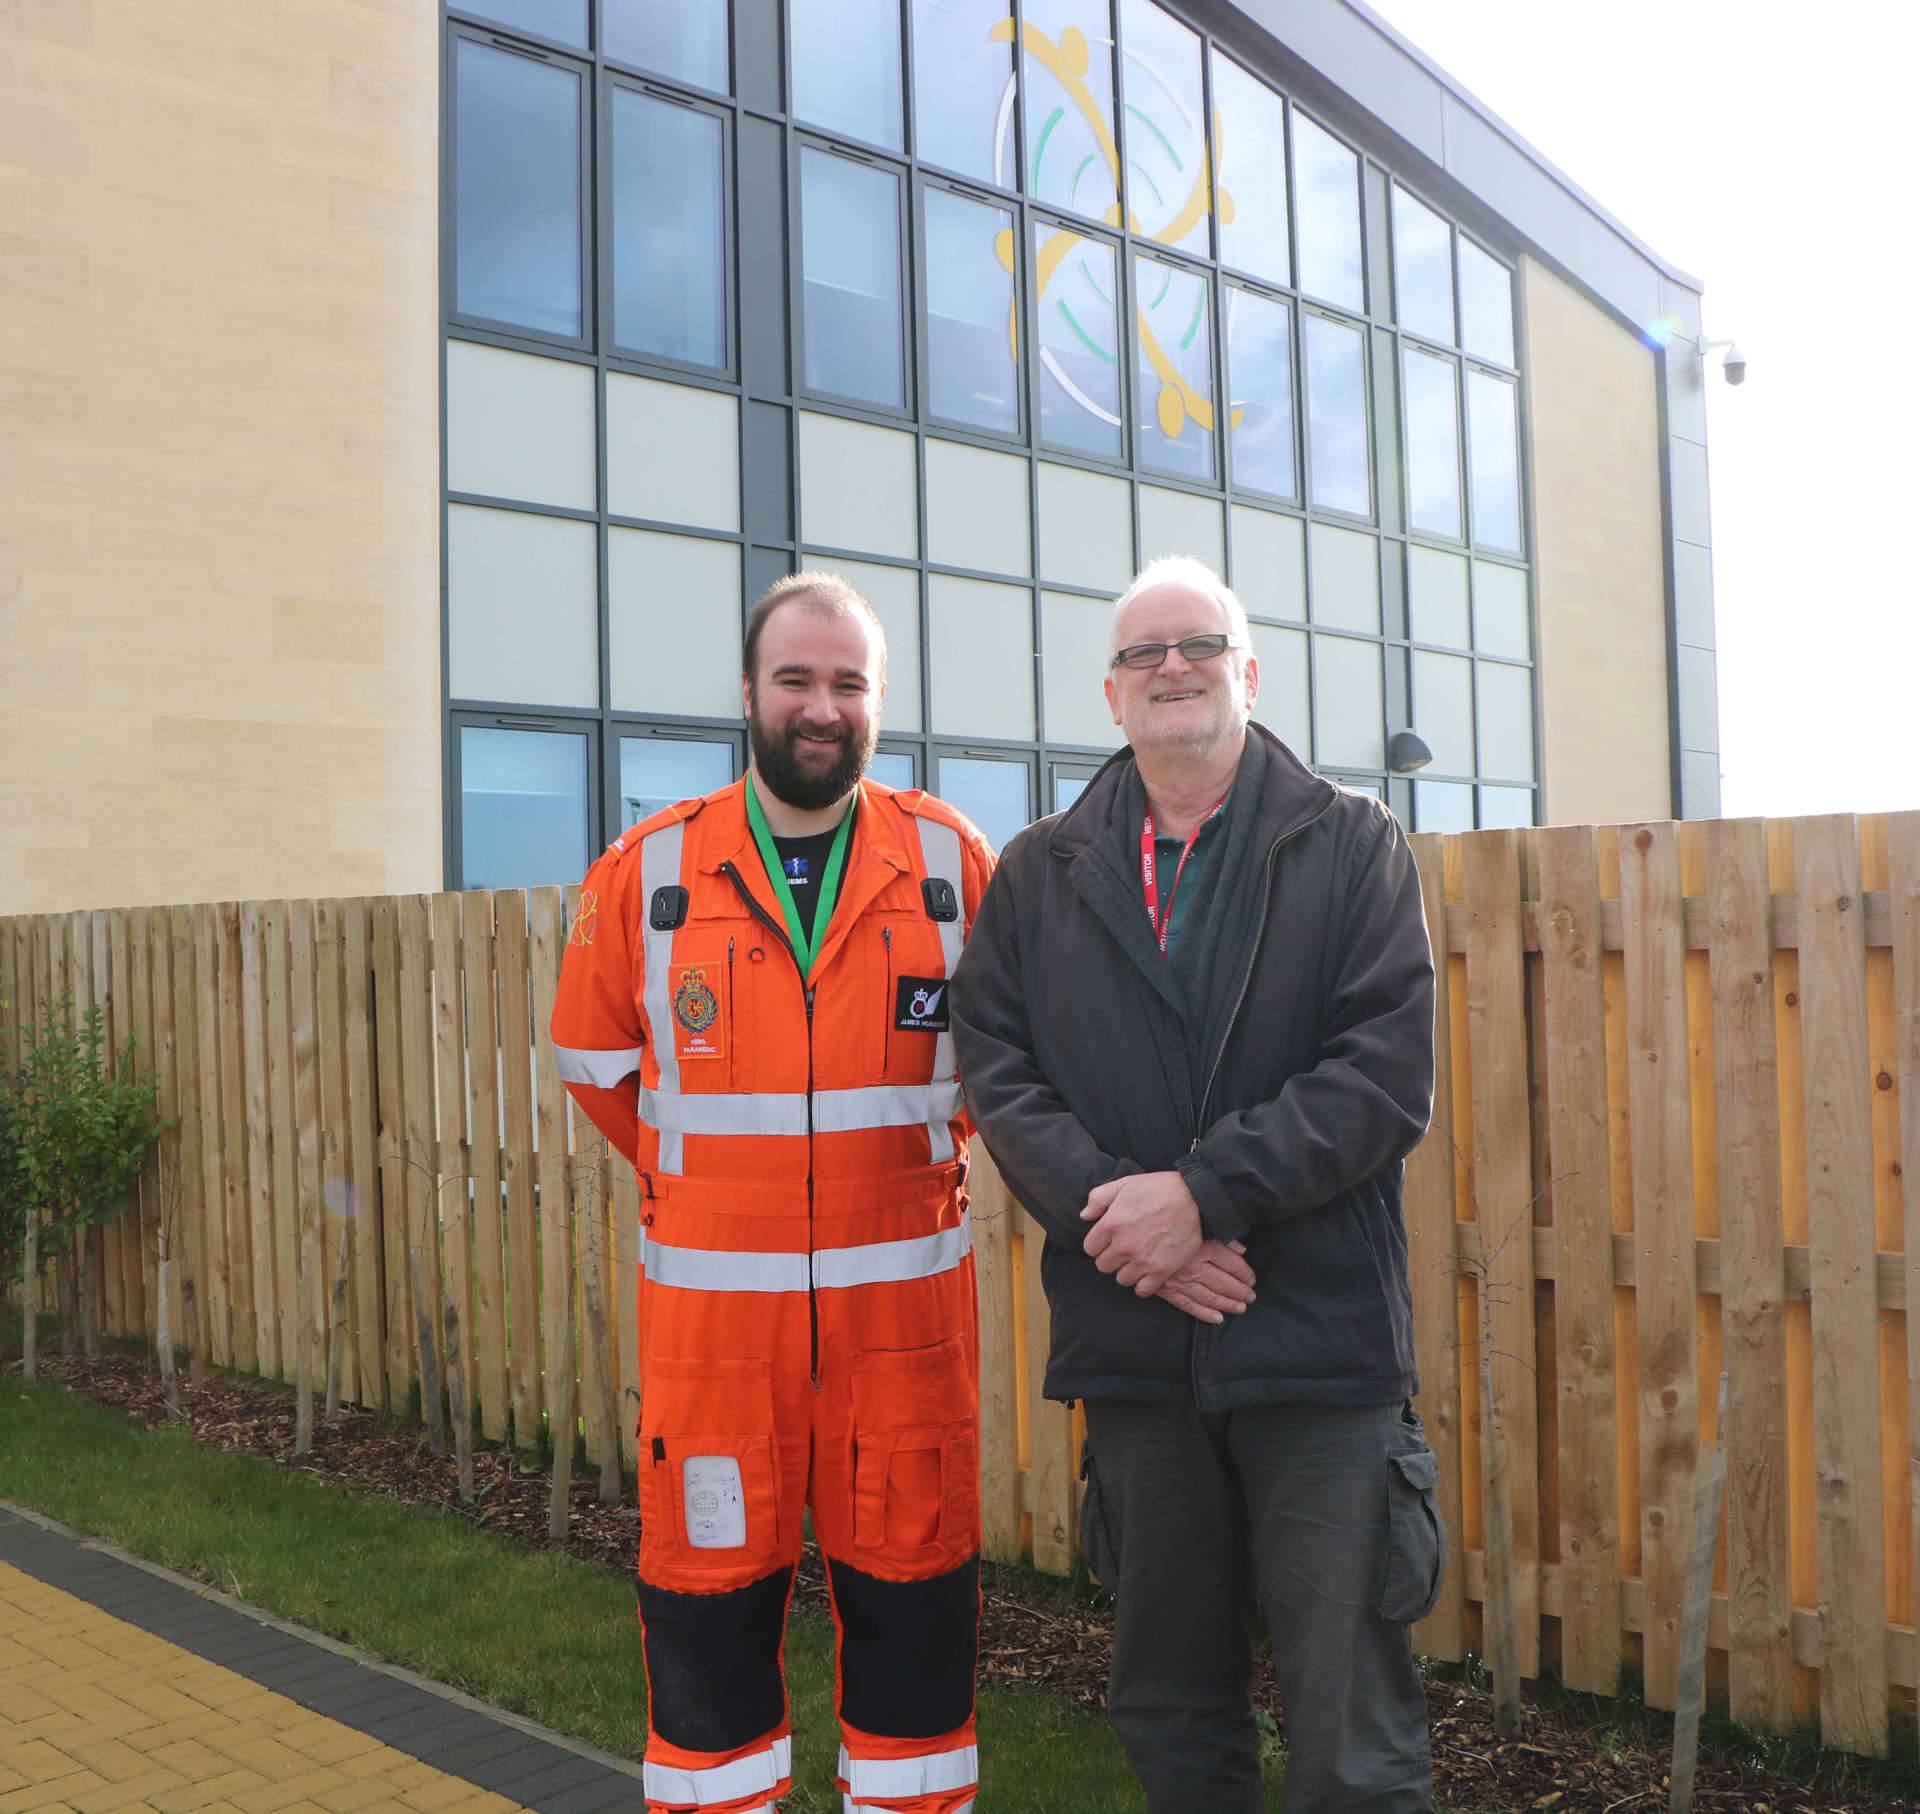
[(626, 1295), (112, 1233), (1846, 1397), (1051, 1464), (193, 1197), (366, 1286), (587, 1188), (1663, 1239), (236, 1190), (1575, 1035), (993, 1211), (517, 1162), (420, 1196), (389, 1070), (216, 1304), (174, 1201), (453, 1155), (331, 1212), (1903, 888), (283, 1144), (310, 1220), (560, 1368), (142, 1216), (256, 983), (489, 1344), (1432, 1240), (1752, 1275)]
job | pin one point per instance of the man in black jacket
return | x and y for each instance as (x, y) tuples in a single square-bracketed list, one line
[(1195, 1023)]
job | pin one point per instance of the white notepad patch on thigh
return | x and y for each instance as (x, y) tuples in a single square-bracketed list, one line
[(716, 1512)]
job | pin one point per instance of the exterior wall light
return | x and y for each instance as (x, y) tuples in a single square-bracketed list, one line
[(1407, 751)]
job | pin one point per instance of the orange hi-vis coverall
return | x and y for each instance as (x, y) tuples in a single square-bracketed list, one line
[(807, 1309)]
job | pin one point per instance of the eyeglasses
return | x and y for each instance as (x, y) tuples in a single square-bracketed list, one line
[(1192, 648)]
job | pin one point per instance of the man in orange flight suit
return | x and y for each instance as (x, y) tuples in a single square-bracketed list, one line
[(753, 1008)]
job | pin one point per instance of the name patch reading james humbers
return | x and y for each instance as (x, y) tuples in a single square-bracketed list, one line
[(920, 1005)]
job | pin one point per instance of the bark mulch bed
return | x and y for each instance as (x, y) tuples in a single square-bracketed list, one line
[(1030, 1635)]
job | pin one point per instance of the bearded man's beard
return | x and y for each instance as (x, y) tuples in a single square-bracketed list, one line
[(807, 787)]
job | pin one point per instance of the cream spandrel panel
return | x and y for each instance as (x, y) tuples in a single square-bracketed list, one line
[(522, 608), (977, 510), (1074, 632), (1086, 528), (1349, 722), (982, 650), (1269, 563), (1179, 522), (858, 488), (1345, 586), (673, 453), (673, 624), (1282, 701), (894, 594), (519, 427)]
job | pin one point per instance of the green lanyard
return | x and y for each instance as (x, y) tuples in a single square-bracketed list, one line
[(803, 947)]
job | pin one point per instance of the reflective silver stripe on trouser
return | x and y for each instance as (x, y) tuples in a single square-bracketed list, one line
[(599, 1070), (833, 1268), (940, 851), (849, 1806), (901, 1778), (778, 1112), (761, 1771), (660, 868)]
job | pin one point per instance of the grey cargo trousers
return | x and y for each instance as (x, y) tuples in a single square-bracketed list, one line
[(1329, 1510)]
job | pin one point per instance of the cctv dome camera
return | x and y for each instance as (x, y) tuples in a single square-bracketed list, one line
[(1734, 366)]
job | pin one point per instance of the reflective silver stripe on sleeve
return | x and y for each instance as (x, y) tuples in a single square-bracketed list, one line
[(758, 1771), (597, 1070), (771, 1112), (940, 852), (833, 1269), (901, 1778), (660, 868)]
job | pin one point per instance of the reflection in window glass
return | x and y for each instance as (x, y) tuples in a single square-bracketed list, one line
[(1500, 611), (564, 20), (523, 808), (1493, 460), (655, 772), (1079, 338), (1433, 443), (846, 67), (1067, 789), (1422, 270), (1437, 597), (850, 276), (1166, 142), (1337, 444), (1349, 724), (1486, 305), (1443, 709), (1442, 806), (1069, 154), (1250, 181), (517, 190), (686, 39), (1505, 808), (1175, 373), (994, 795), (1260, 392), (891, 769), (1326, 194), (669, 242), (1503, 697), (963, 87), (972, 373)]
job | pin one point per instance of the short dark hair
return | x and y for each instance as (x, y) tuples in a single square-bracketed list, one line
[(827, 593)]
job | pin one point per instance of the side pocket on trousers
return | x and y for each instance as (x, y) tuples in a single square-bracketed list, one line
[(1415, 1562), (1099, 1523), (916, 1472)]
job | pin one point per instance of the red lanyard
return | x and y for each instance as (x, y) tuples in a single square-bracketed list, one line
[(1149, 879)]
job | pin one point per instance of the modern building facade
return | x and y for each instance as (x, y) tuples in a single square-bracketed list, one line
[(407, 405)]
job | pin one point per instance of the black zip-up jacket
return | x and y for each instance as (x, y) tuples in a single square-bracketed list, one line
[(1282, 1063)]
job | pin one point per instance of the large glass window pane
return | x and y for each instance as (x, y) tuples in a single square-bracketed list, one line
[(1175, 372), (1077, 280), (1166, 138), (1349, 724), (1486, 305), (963, 87), (685, 39), (1493, 460), (1442, 806), (1504, 697), (972, 373), (1326, 194), (1500, 619), (850, 271), (1260, 393), (1422, 270), (563, 20), (1505, 808), (846, 67), (996, 796), (892, 768), (1338, 450), (657, 772), (517, 231), (1433, 443), (1437, 597), (1443, 710), (1250, 176), (523, 808), (669, 233), (1066, 94)]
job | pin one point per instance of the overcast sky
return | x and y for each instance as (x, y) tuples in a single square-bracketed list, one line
[(1775, 168)]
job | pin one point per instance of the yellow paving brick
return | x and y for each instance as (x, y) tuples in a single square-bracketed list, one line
[(484, 1801), (375, 1763), (219, 1785), (132, 1793), (23, 1703), (431, 1798), (162, 1702), (356, 1793), (37, 1796), (271, 1797), (265, 1753), (190, 1757), (112, 1758), (10, 1779), (327, 1741), (38, 1761)]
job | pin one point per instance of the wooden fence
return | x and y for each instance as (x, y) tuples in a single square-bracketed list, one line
[(1678, 1093)]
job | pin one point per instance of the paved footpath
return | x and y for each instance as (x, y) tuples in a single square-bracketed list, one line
[(124, 1686)]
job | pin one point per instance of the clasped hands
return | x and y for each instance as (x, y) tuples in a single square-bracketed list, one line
[(1146, 1232)]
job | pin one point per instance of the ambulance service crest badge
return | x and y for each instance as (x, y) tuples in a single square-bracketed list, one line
[(697, 1012)]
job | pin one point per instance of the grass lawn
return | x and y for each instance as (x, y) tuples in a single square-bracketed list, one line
[(548, 1637)]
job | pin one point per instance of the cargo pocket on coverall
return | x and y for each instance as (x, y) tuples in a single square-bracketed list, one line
[(1415, 1560), (1099, 1523), (709, 1471), (915, 1473)]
